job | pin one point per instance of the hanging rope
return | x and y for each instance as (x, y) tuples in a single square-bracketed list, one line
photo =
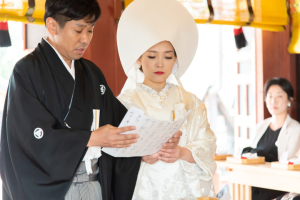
[(251, 13), (211, 11), (30, 11)]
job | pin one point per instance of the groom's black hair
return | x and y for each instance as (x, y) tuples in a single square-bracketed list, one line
[(63, 11)]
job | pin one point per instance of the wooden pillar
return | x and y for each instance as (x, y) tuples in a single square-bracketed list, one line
[(298, 83), (273, 60), (103, 47)]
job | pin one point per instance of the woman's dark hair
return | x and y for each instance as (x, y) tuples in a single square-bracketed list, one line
[(66, 10), (283, 83), (141, 68)]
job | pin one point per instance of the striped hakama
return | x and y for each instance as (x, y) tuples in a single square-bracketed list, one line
[(84, 186)]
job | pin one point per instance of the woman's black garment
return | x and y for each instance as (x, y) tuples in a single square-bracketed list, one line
[(265, 194), (266, 147), (295, 198)]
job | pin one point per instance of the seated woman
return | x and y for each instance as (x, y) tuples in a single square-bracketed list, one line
[(277, 134), (157, 41)]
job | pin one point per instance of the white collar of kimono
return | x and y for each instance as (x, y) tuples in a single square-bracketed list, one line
[(145, 23), (70, 70), (161, 96), (158, 100)]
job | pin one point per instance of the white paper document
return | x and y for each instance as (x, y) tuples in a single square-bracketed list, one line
[(153, 134)]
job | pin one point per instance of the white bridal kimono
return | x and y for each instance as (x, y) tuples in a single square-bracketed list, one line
[(181, 179)]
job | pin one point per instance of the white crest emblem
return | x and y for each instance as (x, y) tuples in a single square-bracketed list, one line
[(38, 133), (102, 89)]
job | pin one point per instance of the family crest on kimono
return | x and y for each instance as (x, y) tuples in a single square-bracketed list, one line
[(47, 144)]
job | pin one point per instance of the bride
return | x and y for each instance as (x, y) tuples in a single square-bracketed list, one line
[(157, 40)]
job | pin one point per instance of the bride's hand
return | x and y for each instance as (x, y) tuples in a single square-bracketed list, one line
[(169, 155), (151, 159), (173, 142)]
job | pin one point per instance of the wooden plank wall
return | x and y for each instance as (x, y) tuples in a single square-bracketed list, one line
[(103, 47)]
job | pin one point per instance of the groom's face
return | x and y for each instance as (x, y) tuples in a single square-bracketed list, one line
[(73, 39)]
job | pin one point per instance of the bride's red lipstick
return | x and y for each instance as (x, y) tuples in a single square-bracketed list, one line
[(159, 73)]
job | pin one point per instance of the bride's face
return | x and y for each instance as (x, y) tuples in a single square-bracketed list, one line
[(157, 62)]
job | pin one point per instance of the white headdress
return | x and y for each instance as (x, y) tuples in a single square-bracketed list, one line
[(143, 24)]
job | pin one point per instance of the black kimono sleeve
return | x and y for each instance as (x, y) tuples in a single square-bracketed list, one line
[(124, 170), (34, 168)]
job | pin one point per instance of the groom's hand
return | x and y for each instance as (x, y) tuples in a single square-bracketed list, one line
[(109, 136), (173, 142)]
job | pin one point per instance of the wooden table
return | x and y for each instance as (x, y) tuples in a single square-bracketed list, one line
[(242, 177)]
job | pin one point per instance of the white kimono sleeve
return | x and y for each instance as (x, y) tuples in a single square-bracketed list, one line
[(201, 141)]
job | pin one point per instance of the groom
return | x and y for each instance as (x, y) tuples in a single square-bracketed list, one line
[(49, 112)]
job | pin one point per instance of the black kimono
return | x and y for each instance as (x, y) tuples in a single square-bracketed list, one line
[(39, 153)]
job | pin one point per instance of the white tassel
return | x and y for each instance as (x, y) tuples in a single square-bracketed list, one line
[(88, 166), (93, 152)]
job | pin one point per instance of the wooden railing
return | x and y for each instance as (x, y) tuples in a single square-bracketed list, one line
[(240, 192)]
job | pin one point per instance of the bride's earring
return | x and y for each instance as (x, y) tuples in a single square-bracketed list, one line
[(289, 105)]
